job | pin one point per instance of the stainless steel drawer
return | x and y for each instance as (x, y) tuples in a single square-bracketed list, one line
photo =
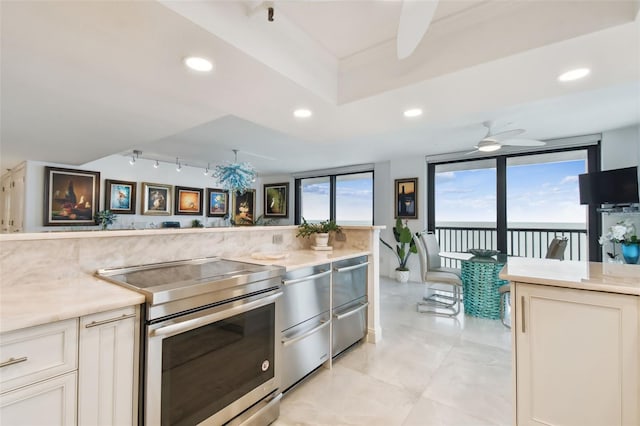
[(306, 294), (349, 324), (349, 280), (304, 348)]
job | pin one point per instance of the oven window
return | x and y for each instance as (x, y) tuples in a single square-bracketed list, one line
[(206, 369)]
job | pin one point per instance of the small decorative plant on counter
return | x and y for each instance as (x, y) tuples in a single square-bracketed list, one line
[(196, 223), (403, 236), (624, 233), (321, 231), (104, 218)]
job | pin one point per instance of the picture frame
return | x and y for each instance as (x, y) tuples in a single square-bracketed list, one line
[(217, 202), (156, 199), (120, 196), (71, 197), (276, 200), (188, 201), (244, 207), (406, 197)]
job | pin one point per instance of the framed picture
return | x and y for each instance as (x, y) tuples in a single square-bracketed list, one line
[(407, 198), (120, 196), (71, 197), (156, 199), (218, 202), (188, 201), (276, 200), (244, 207)]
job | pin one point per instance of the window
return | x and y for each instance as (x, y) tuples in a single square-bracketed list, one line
[(345, 198)]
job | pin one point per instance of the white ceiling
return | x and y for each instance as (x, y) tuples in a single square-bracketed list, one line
[(84, 80)]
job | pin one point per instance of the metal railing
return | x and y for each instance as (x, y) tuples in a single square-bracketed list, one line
[(524, 242)]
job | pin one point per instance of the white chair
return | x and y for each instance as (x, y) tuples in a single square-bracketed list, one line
[(438, 278)]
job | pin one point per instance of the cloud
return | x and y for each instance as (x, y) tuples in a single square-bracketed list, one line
[(444, 176), (569, 179)]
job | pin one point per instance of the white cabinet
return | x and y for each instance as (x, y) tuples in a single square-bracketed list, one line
[(107, 368), (576, 357), (47, 403), (13, 198), (38, 374)]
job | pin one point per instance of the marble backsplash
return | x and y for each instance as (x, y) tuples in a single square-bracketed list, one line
[(69, 256)]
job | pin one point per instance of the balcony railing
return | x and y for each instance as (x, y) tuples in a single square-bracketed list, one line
[(524, 242)]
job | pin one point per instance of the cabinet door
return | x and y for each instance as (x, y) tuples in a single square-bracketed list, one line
[(48, 403), (16, 220), (107, 368), (5, 202), (576, 357)]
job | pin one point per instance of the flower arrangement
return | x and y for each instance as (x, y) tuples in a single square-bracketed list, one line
[(623, 232), (105, 218)]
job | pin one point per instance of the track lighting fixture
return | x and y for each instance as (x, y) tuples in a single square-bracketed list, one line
[(178, 165), (206, 171), (134, 156), (156, 165), (270, 14)]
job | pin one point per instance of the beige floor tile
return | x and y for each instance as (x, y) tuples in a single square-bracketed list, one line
[(427, 412)]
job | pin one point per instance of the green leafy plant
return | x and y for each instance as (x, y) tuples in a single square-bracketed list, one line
[(195, 223), (306, 229), (403, 236), (105, 218)]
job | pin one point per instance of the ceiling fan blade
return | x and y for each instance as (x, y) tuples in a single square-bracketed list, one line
[(415, 17), (500, 136), (523, 142)]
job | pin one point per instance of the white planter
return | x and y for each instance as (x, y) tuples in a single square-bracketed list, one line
[(322, 240), (402, 276)]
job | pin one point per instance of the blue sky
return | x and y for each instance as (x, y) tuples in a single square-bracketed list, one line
[(353, 200), (545, 192)]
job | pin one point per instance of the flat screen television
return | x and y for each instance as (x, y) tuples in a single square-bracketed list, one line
[(619, 186)]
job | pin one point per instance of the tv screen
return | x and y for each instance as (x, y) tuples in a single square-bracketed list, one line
[(619, 186)]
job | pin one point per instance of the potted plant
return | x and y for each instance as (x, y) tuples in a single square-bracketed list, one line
[(403, 236), (105, 218), (321, 231), (623, 232)]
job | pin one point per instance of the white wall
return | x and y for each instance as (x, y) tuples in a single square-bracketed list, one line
[(117, 167)]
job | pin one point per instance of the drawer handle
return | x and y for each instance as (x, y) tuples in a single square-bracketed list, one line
[(309, 277), (12, 361), (287, 342), (351, 268), (107, 321), (351, 312)]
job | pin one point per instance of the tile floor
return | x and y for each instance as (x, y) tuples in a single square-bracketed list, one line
[(427, 370)]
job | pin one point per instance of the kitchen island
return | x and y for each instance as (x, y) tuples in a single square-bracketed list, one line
[(576, 342)]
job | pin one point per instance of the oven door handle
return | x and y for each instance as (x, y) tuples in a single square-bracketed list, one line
[(351, 268), (351, 312), (181, 327)]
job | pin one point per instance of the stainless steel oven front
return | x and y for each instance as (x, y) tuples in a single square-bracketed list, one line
[(211, 351), (209, 366)]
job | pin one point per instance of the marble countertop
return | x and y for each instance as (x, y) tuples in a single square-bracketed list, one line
[(607, 277), (302, 258), (31, 304), (34, 303)]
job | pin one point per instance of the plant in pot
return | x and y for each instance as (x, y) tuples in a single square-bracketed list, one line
[(104, 218), (404, 237), (321, 231)]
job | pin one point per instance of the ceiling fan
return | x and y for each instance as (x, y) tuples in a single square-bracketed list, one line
[(415, 17), (495, 141)]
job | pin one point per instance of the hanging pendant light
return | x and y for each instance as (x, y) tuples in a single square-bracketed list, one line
[(235, 176)]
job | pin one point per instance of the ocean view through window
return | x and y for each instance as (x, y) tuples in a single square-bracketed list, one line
[(540, 197)]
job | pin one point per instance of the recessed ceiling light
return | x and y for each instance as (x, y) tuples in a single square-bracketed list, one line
[(413, 112), (574, 74), (302, 113), (198, 64)]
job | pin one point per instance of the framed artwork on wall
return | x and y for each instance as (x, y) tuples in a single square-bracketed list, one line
[(276, 200), (120, 196), (188, 201), (406, 196), (244, 207), (156, 199), (71, 197), (217, 202)]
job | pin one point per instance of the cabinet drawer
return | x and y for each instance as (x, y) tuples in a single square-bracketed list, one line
[(37, 353), (48, 403)]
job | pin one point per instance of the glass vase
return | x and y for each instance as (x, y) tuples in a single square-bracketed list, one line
[(630, 253)]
